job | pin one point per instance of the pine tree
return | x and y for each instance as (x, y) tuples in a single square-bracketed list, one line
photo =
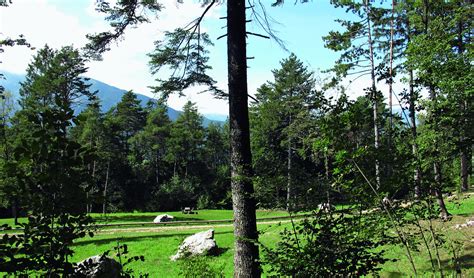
[(359, 57), (124, 15), (122, 123), (186, 145), (284, 111), (151, 143), (90, 132), (49, 166), (442, 66), (217, 180)]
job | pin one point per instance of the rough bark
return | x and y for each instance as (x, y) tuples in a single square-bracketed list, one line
[(390, 84), (464, 170), (464, 108), (444, 214), (104, 204), (288, 185), (374, 95), (245, 227), (412, 115), (15, 210)]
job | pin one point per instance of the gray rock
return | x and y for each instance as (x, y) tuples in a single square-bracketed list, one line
[(202, 243), (163, 218), (98, 267)]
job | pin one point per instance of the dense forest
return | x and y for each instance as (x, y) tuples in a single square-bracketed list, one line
[(311, 144)]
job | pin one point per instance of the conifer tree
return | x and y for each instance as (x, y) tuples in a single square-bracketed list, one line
[(49, 167), (359, 57), (284, 111)]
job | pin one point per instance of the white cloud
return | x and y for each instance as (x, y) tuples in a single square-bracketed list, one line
[(356, 88), (124, 66), (40, 23)]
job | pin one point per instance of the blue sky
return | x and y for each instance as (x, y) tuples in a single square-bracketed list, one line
[(65, 22)]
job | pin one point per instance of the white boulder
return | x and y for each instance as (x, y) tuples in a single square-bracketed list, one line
[(163, 218), (202, 243)]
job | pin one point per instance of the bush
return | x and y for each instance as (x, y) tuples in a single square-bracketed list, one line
[(325, 245), (199, 267)]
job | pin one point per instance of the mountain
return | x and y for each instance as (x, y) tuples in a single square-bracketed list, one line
[(108, 95)]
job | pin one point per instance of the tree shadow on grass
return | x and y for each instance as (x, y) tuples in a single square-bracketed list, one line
[(392, 274), (465, 262), (136, 218), (464, 214), (140, 238), (219, 251)]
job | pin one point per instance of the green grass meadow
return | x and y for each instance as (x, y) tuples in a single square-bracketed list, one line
[(157, 244), (131, 217)]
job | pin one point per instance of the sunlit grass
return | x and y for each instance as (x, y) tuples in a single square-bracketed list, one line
[(158, 245), (128, 217)]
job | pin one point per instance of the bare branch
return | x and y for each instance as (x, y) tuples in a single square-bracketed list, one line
[(258, 35), (220, 37), (253, 98)]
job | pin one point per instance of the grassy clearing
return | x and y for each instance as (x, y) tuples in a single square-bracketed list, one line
[(179, 216), (130, 217), (158, 245)]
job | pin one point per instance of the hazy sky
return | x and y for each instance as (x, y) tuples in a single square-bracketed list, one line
[(66, 22)]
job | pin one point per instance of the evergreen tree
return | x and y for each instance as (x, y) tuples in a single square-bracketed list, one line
[(122, 123), (124, 15), (186, 143), (90, 132), (150, 149), (216, 182), (445, 68), (284, 112), (10, 191), (359, 56), (49, 167)]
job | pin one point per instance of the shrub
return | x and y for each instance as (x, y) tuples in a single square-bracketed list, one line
[(325, 245)]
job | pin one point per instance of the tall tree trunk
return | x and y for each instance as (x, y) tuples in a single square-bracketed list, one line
[(104, 203), (374, 95), (174, 168), (412, 115), (15, 210), (464, 110), (94, 168), (412, 98), (246, 257), (444, 214), (390, 84), (464, 170), (157, 168), (288, 185), (432, 117)]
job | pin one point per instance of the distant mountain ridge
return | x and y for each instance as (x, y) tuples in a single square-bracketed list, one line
[(109, 96)]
